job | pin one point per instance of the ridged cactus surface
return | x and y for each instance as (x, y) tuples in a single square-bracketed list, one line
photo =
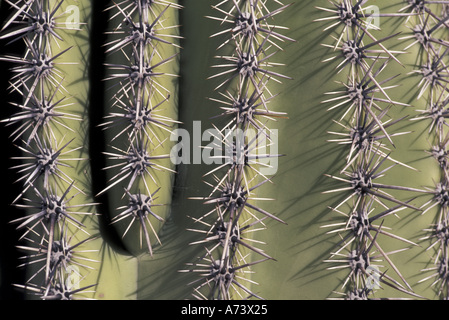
[(224, 149)]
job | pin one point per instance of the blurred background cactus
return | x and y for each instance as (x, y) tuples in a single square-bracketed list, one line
[(125, 178)]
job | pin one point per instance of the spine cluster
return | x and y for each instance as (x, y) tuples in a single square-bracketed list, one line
[(49, 193), (363, 105), (429, 38), (137, 123), (250, 39)]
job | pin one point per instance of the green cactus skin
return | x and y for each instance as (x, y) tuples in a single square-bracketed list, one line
[(163, 91), (407, 150), (300, 247)]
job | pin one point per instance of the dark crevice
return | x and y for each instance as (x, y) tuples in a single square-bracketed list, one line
[(177, 181), (9, 236), (97, 106)]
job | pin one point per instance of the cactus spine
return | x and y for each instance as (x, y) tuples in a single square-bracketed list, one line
[(142, 48), (363, 103), (366, 130), (429, 34), (50, 131), (250, 40), (146, 200)]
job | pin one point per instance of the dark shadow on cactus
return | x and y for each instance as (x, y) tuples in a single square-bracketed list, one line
[(159, 276), (9, 273), (97, 139), (419, 129)]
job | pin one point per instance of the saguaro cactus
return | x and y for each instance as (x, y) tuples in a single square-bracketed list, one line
[(225, 149)]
